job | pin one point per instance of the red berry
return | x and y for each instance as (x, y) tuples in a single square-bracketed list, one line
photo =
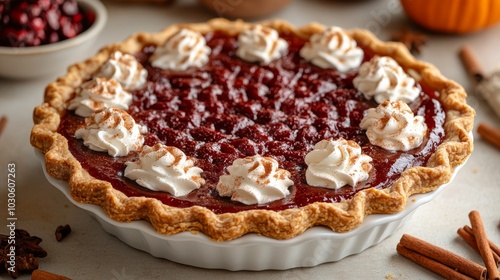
[(35, 10), (90, 17), (37, 24), (40, 34), (70, 8), (22, 5), (52, 18), (39, 38), (44, 4), (56, 2), (5, 19), (18, 17), (53, 37), (77, 18), (68, 29)]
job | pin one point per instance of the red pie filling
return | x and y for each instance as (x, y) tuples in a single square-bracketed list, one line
[(231, 108)]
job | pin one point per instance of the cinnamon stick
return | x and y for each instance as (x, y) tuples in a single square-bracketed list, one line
[(471, 64), (483, 245), (443, 256), (45, 275), (3, 123), (469, 238), (489, 133), (430, 264), (493, 246)]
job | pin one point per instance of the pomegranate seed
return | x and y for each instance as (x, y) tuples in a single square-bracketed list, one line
[(53, 37), (44, 4), (70, 8), (52, 17), (23, 6), (19, 17), (77, 18), (38, 38), (33, 42), (64, 21), (31, 38), (40, 34), (37, 24), (90, 17), (35, 10), (4, 33), (68, 29)]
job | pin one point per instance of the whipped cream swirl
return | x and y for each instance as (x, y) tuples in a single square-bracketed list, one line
[(255, 180), (182, 50), (335, 163), (99, 93), (111, 130), (125, 69), (260, 44), (166, 169), (394, 127), (333, 48), (383, 79)]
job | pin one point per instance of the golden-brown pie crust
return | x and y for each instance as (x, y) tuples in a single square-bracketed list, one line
[(340, 217)]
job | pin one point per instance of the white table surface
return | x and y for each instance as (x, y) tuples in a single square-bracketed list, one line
[(90, 253)]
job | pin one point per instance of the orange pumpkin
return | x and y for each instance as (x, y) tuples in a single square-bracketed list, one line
[(453, 16)]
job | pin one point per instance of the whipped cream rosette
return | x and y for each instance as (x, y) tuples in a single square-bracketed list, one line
[(125, 69), (184, 49), (260, 44), (333, 48), (164, 168), (99, 93), (113, 131), (255, 180), (336, 163), (394, 127), (383, 79)]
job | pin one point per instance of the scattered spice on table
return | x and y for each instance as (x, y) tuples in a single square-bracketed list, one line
[(45, 275), (62, 231), (483, 245), (489, 133), (20, 252), (450, 265), (471, 64), (439, 260)]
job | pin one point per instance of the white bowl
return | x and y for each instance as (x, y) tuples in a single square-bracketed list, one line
[(32, 62), (315, 246)]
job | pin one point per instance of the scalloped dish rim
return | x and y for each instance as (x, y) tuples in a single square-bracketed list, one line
[(375, 227)]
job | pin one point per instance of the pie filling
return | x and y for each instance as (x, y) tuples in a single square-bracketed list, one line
[(229, 109)]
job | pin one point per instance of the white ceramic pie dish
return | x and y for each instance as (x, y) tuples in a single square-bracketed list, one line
[(253, 252)]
